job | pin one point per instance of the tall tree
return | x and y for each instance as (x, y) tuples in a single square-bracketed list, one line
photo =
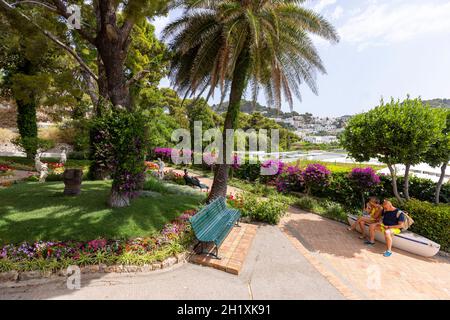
[(417, 127), (439, 154), (235, 44), (107, 28), (31, 67), (394, 133)]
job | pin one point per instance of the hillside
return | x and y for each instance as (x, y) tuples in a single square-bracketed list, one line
[(439, 103), (248, 107)]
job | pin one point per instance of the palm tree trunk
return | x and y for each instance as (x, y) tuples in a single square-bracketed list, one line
[(440, 182), (394, 182), (219, 186), (406, 181)]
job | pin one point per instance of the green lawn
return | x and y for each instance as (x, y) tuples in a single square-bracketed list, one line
[(337, 166), (32, 211)]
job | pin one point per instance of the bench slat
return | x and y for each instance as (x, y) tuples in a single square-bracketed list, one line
[(214, 222)]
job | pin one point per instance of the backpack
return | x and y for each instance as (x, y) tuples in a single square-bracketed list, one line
[(408, 220)]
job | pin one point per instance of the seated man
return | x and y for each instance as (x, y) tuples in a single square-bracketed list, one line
[(194, 181), (392, 223)]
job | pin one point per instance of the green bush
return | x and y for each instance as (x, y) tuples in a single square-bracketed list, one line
[(430, 220), (78, 155), (153, 184), (326, 208), (308, 203), (32, 144), (119, 143), (248, 172), (269, 211), (341, 190), (419, 188)]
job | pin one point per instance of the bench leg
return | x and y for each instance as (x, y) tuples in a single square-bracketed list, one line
[(198, 243), (203, 251), (216, 255)]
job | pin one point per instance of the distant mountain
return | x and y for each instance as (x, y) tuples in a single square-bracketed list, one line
[(438, 103)]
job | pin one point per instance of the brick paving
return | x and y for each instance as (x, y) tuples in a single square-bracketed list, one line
[(359, 272), (232, 252)]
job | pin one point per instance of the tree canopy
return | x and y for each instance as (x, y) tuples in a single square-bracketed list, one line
[(395, 132)]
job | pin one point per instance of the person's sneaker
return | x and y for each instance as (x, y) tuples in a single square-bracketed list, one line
[(369, 243), (387, 253)]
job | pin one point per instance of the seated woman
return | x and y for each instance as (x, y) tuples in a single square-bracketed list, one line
[(371, 214)]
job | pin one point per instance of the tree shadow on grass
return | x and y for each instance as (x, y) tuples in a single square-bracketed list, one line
[(31, 211)]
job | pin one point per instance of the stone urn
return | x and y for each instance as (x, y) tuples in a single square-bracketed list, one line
[(72, 181)]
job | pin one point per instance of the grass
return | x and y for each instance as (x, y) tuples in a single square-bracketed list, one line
[(336, 166), (31, 211)]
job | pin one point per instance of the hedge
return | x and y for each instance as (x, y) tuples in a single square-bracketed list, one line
[(430, 220)]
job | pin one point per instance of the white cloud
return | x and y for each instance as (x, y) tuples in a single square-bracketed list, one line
[(388, 23), (161, 22), (323, 4), (337, 13)]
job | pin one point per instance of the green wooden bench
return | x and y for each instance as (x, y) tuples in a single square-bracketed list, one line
[(213, 223)]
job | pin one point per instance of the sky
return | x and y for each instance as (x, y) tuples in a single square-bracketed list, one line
[(387, 48)]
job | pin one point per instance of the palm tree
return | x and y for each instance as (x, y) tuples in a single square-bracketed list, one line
[(231, 45)]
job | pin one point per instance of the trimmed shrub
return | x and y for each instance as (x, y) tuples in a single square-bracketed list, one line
[(430, 220), (315, 176), (257, 209), (326, 208), (248, 172), (419, 188)]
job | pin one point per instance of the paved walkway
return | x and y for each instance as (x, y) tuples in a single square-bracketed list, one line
[(17, 175), (360, 272), (273, 270), (207, 181)]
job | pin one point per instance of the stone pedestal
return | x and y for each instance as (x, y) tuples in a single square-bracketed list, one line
[(72, 181)]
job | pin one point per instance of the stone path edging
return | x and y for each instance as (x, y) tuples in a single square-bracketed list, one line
[(17, 276)]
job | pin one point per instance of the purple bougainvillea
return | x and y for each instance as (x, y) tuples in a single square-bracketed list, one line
[(236, 162), (315, 176), (163, 152), (364, 178), (273, 167), (289, 180)]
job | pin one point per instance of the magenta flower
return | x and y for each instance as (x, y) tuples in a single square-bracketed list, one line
[(364, 178)]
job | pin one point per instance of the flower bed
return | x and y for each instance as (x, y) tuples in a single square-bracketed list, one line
[(55, 255), (174, 177), (6, 170), (151, 166)]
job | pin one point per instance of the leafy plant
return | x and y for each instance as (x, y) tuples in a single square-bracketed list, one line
[(257, 209), (315, 176), (430, 220)]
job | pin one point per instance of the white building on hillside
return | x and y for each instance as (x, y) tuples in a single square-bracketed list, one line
[(320, 139)]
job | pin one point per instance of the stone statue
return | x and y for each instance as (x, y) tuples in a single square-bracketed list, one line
[(63, 156), (41, 167), (160, 169)]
